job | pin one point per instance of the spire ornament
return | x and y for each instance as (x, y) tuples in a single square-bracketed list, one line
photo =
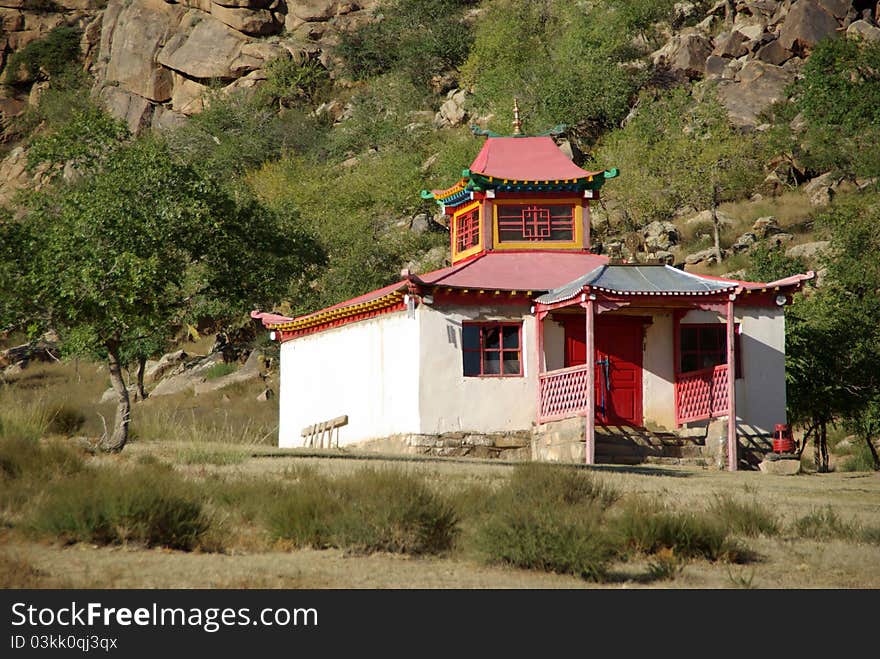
[(517, 123)]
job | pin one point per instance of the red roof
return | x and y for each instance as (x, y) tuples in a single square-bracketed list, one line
[(516, 271), (525, 159)]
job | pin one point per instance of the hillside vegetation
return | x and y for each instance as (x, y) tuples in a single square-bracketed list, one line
[(746, 134)]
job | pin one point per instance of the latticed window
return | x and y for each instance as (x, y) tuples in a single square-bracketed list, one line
[(535, 223), (705, 346), (492, 349), (467, 230)]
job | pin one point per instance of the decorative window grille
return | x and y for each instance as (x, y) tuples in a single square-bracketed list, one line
[(491, 349), (535, 223), (467, 230)]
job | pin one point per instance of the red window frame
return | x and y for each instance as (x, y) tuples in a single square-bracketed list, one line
[(467, 230), (536, 223), (718, 348), (486, 348)]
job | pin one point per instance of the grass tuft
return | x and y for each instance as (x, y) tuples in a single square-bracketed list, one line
[(751, 519), (825, 524), (206, 455)]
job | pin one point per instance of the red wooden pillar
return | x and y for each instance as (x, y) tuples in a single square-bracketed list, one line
[(731, 390), (540, 361), (590, 421)]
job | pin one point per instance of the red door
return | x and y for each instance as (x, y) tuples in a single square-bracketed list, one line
[(618, 366)]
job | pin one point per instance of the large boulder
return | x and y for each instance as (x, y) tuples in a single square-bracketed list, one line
[(773, 53), (257, 22), (807, 24), (730, 44), (452, 111), (133, 34), (807, 251), (660, 236), (207, 48), (756, 87), (863, 30), (188, 95), (136, 111), (166, 363), (313, 10), (684, 53)]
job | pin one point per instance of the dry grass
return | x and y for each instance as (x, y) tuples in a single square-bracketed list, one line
[(234, 481)]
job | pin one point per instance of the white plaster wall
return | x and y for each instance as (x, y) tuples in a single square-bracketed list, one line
[(658, 373), (554, 345), (760, 393), (368, 370), (449, 401)]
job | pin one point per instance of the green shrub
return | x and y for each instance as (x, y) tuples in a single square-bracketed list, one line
[(861, 459), (145, 505), (66, 420), (54, 53), (419, 37), (306, 514), (750, 519), (825, 524), (370, 510), (647, 529), (549, 538), (24, 458), (536, 483), (390, 510), (219, 370)]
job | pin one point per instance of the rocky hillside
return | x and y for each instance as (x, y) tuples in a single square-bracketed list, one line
[(151, 64)]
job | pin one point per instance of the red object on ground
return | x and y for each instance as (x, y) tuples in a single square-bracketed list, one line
[(783, 442)]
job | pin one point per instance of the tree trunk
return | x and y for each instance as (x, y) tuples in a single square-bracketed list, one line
[(873, 451), (716, 230), (116, 442), (820, 442), (142, 366)]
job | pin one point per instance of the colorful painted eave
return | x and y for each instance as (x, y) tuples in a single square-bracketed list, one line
[(384, 300), (462, 192)]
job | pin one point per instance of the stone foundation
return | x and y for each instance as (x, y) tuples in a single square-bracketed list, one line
[(513, 446)]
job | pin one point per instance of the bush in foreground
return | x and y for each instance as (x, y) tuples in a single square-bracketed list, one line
[(370, 510), (647, 529), (552, 539), (146, 505)]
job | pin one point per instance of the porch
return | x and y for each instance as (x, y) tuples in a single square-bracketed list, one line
[(663, 353)]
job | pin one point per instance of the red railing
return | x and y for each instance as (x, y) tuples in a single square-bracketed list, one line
[(563, 393), (701, 394)]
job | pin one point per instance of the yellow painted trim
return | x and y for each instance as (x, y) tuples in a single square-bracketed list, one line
[(336, 314), (578, 241), (458, 256)]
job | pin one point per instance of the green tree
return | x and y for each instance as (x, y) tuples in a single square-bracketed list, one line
[(839, 96), (418, 37), (569, 62), (681, 151), (119, 258), (833, 334)]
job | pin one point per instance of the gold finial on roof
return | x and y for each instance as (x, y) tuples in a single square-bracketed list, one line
[(517, 124)]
